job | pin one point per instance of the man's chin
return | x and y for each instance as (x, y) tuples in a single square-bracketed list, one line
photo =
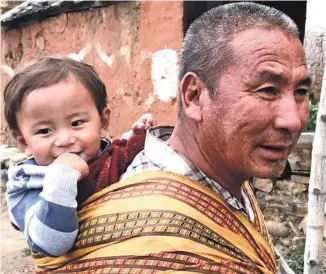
[(268, 171)]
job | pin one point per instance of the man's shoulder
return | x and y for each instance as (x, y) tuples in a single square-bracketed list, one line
[(140, 164)]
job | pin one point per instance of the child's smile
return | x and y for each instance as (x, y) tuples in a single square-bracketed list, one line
[(60, 118)]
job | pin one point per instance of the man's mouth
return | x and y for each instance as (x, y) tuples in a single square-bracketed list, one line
[(275, 148), (275, 152)]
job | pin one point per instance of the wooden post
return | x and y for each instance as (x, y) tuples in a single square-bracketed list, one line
[(317, 191)]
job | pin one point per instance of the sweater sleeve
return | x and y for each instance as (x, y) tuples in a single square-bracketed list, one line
[(127, 135), (42, 203)]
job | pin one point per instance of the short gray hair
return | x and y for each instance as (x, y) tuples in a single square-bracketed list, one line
[(207, 47)]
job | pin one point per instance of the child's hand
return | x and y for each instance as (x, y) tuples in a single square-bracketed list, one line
[(73, 161), (143, 123)]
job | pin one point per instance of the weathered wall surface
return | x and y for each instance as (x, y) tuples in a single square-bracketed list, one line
[(6, 5), (134, 47), (315, 44)]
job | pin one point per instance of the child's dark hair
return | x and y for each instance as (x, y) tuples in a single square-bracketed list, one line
[(48, 71)]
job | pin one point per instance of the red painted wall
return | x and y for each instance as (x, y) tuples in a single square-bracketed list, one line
[(128, 33)]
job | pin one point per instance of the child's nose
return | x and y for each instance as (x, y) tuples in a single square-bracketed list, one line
[(65, 139)]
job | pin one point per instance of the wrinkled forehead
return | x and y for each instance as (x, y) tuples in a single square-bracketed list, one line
[(257, 42)]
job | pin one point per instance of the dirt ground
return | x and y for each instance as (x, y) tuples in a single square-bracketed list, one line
[(13, 258)]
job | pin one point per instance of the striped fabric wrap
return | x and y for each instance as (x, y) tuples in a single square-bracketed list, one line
[(161, 222)]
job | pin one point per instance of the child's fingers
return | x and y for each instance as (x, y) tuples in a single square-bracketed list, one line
[(138, 125), (146, 118), (149, 122), (142, 124)]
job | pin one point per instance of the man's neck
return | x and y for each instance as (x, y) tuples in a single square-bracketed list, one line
[(185, 139)]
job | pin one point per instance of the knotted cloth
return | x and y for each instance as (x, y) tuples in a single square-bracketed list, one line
[(160, 222)]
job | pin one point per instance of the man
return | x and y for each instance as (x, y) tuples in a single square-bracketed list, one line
[(243, 105)]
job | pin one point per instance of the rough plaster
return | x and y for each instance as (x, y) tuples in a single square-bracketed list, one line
[(165, 74), (112, 39), (315, 44)]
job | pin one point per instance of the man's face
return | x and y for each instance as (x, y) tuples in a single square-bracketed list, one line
[(261, 108)]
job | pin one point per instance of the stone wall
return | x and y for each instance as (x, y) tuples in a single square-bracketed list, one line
[(124, 42), (284, 201), (284, 204), (6, 5)]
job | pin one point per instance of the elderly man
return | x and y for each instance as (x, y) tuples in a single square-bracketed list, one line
[(185, 204)]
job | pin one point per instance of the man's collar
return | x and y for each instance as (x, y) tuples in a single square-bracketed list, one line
[(166, 158), (162, 154)]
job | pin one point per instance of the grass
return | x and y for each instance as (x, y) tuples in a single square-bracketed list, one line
[(27, 252), (313, 109), (294, 257)]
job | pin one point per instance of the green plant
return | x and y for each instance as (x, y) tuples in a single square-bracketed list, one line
[(313, 109), (27, 252), (294, 257)]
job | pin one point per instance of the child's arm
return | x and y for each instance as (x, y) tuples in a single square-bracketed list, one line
[(47, 217)]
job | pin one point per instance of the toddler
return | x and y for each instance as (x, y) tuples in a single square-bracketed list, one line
[(57, 111)]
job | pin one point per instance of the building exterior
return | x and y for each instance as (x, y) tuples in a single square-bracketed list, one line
[(133, 45)]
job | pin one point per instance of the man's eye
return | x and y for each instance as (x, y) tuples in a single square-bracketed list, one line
[(269, 91), (77, 123), (43, 131), (301, 92)]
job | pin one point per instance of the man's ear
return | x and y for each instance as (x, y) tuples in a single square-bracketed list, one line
[(191, 90), (105, 121), (22, 144)]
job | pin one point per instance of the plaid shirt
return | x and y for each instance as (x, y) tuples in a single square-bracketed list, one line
[(159, 155)]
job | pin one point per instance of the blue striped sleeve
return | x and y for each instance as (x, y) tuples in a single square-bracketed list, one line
[(53, 228), (47, 215)]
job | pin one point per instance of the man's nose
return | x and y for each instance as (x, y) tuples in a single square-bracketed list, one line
[(288, 115), (65, 138)]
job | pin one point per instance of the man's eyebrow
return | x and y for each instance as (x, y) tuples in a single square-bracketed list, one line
[(270, 76), (305, 82), (267, 75)]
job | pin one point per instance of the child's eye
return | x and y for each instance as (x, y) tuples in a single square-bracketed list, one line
[(44, 131), (77, 123)]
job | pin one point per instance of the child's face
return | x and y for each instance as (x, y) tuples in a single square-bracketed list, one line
[(60, 118)]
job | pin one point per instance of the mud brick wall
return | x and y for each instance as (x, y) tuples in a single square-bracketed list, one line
[(134, 47)]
